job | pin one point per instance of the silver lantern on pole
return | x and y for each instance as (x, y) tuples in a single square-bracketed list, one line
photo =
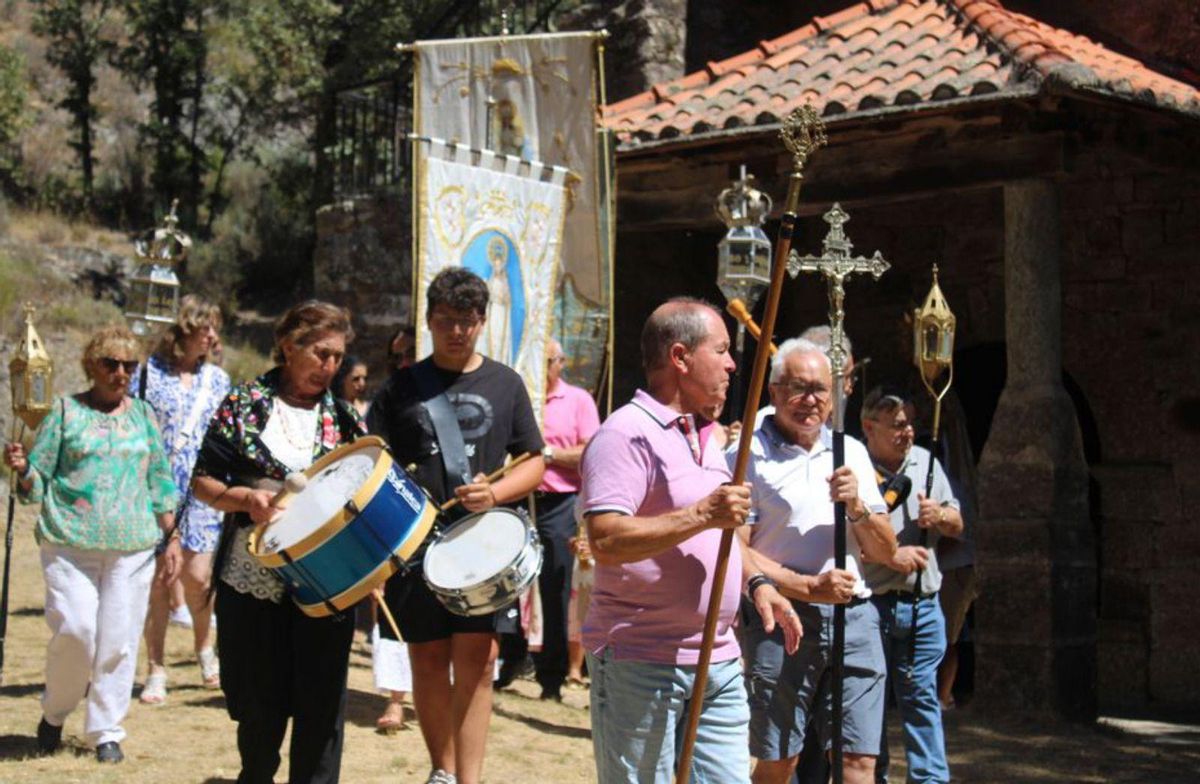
[(744, 253), (154, 288)]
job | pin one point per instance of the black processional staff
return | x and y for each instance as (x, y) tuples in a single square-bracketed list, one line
[(835, 264), (31, 373), (933, 354), (803, 132)]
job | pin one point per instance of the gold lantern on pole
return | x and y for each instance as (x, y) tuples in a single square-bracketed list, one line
[(933, 354), (154, 288), (31, 374)]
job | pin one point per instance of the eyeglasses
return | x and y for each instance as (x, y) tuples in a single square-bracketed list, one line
[(445, 323), (110, 365), (798, 389), (553, 360)]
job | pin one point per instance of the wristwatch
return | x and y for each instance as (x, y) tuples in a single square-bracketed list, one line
[(548, 454)]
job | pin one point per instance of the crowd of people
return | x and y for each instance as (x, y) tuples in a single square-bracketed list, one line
[(158, 475)]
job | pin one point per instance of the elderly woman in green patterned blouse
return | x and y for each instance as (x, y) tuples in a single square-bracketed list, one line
[(108, 503)]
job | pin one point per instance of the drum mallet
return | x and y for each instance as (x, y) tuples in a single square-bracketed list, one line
[(492, 477), (293, 484)]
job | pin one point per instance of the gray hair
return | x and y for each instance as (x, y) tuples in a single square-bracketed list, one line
[(791, 346), (822, 335), (670, 325)]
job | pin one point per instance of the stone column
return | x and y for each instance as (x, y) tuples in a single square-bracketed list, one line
[(1036, 618)]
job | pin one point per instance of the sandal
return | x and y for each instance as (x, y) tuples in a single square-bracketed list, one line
[(392, 719), (576, 684), (210, 668), (155, 690)]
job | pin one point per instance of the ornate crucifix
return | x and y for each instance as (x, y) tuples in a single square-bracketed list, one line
[(836, 264)]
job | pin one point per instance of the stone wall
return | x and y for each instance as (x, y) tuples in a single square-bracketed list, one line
[(646, 41), (363, 260), (1131, 335)]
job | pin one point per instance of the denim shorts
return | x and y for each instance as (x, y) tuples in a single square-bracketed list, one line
[(639, 714), (785, 691)]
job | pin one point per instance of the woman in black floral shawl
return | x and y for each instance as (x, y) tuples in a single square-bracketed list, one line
[(276, 662)]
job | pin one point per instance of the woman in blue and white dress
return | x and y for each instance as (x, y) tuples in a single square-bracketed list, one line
[(184, 389)]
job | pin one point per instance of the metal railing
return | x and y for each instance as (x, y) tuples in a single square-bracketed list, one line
[(373, 119)]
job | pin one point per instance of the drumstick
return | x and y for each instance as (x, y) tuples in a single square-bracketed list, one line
[(387, 613), (293, 484), (492, 477)]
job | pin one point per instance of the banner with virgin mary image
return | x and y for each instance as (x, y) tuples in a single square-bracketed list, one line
[(502, 218), (535, 97)]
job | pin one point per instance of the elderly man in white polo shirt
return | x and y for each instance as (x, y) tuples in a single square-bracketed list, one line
[(791, 536)]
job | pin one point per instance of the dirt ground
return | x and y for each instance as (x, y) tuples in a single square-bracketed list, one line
[(191, 739)]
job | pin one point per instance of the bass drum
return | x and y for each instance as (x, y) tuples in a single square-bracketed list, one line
[(358, 520)]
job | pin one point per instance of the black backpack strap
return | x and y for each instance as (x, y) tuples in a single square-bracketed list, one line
[(445, 425)]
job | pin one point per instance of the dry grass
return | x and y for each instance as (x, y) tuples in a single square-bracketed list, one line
[(50, 228), (191, 739)]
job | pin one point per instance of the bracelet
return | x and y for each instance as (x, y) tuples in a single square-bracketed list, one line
[(866, 511), (756, 581)]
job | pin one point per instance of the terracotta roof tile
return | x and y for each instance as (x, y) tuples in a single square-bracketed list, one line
[(890, 53)]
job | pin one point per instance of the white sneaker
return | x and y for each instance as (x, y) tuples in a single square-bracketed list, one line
[(181, 616), (440, 776)]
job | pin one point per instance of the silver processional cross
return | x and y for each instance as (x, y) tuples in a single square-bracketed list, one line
[(836, 264)]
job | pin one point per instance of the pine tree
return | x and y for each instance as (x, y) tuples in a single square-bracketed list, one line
[(74, 30)]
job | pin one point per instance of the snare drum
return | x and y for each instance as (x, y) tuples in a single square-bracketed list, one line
[(483, 562), (357, 521)]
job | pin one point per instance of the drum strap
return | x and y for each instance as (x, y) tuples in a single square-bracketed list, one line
[(445, 424)]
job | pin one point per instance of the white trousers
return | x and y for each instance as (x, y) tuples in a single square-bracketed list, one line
[(95, 607)]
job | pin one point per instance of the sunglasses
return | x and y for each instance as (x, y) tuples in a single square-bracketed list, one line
[(110, 365)]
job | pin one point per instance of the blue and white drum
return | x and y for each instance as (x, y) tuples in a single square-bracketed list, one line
[(483, 562), (358, 520)]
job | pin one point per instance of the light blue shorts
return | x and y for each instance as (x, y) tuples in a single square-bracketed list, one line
[(639, 714)]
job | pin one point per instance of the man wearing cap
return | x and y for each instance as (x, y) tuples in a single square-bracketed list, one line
[(911, 620)]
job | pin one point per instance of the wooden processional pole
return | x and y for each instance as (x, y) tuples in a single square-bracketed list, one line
[(803, 132)]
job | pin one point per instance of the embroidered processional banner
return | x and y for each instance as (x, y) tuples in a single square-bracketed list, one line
[(534, 97), (502, 218)]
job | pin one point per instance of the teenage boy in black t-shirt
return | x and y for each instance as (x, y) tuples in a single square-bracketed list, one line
[(495, 416)]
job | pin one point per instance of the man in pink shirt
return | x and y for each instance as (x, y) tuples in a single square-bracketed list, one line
[(655, 494), (569, 419)]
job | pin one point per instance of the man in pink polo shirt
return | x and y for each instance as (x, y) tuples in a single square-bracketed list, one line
[(655, 495)]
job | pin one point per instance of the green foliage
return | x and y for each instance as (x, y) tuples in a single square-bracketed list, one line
[(166, 50), (12, 105), (262, 243), (74, 30)]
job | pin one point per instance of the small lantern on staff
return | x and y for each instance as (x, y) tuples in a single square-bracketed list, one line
[(31, 374), (743, 257), (933, 352), (744, 253), (154, 287)]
